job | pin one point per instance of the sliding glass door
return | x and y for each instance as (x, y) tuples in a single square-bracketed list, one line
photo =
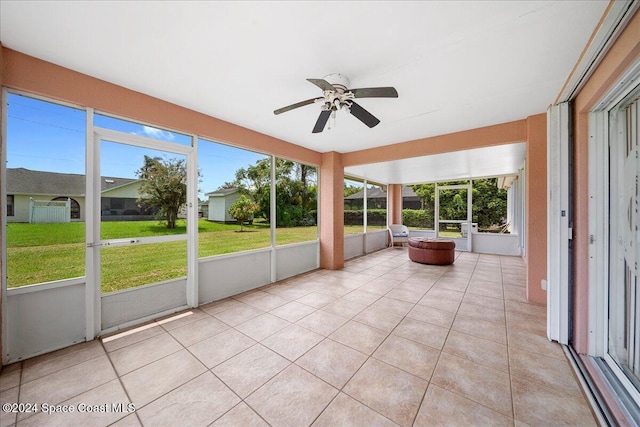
[(623, 344)]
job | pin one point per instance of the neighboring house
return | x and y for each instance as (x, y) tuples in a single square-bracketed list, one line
[(118, 197), (410, 200), (377, 199), (219, 203), (203, 209)]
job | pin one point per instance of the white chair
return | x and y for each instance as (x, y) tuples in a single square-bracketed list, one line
[(398, 233)]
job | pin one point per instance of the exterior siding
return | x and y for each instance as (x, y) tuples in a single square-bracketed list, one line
[(21, 206), (228, 201), (219, 207)]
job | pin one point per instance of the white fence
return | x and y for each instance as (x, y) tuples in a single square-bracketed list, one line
[(48, 211)]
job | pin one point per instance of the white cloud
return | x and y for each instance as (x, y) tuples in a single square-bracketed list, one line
[(157, 133)]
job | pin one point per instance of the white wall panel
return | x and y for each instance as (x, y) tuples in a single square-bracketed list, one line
[(296, 259), (462, 244), (222, 276), (353, 246), (376, 240), (422, 233), (498, 244), (126, 306), (43, 321)]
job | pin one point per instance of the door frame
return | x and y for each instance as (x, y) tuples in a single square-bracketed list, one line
[(468, 221), (93, 199), (602, 250)]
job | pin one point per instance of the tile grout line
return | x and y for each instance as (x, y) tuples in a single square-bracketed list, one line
[(120, 382), (435, 366), (19, 391), (504, 302)]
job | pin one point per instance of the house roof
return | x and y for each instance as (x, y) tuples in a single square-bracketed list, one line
[(26, 181), (223, 192), (408, 192), (378, 193)]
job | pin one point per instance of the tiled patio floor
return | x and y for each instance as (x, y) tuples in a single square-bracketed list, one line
[(383, 342)]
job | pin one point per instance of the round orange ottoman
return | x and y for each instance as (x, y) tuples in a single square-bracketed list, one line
[(432, 250)]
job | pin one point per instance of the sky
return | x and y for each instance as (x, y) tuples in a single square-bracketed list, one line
[(48, 137)]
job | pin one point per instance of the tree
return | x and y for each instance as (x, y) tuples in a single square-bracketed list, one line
[(296, 193), (243, 209), (489, 201), (255, 180), (164, 186), (350, 189)]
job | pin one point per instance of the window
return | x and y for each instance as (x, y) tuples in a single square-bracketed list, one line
[(126, 126), (75, 206), (489, 208), (232, 180), (418, 206), (116, 203), (45, 157), (149, 177), (376, 207), (353, 207), (10, 205), (452, 208), (296, 202)]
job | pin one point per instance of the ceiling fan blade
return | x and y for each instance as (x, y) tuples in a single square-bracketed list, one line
[(322, 121), (375, 92), (322, 84), (296, 105), (363, 115)]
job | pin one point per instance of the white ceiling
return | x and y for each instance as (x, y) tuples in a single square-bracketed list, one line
[(500, 160), (457, 65)]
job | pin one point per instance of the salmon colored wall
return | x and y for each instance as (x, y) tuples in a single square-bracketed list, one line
[(394, 207), (505, 133), (43, 78), (536, 207), (332, 211), (624, 52)]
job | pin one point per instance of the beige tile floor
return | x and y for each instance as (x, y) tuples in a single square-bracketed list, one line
[(383, 342)]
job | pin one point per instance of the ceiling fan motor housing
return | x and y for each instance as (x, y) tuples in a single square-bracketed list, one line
[(340, 82), (336, 100)]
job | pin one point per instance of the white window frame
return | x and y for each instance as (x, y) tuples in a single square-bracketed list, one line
[(599, 218)]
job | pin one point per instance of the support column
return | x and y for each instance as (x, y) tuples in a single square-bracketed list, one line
[(536, 208), (394, 204), (331, 211)]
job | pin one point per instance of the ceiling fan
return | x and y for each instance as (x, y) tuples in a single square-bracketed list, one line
[(336, 96)]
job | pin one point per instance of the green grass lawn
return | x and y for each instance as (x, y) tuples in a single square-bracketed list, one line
[(38, 253)]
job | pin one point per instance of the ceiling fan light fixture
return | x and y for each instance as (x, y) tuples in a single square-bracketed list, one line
[(337, 96)]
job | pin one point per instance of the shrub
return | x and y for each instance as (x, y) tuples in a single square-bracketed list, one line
[(374, 217), (417, 218), (243, 209)]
